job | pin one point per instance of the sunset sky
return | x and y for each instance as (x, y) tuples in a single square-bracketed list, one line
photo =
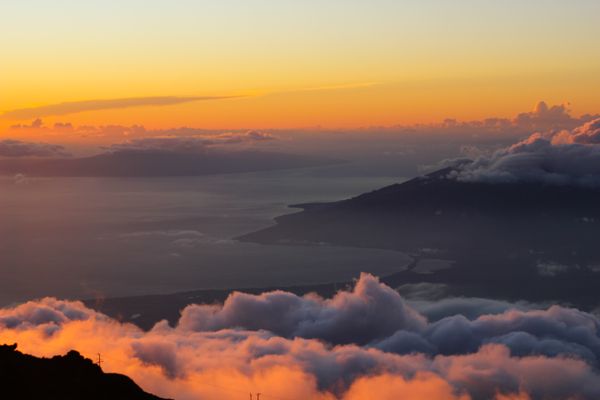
[(306, 199), (293, 64)]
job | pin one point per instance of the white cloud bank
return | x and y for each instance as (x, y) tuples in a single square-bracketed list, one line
[(566, 157)]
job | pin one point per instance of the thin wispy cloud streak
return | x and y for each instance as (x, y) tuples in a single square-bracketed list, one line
[(73, 107)]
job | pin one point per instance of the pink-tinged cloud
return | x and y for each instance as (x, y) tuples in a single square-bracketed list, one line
[(588, 133), (292, 347)]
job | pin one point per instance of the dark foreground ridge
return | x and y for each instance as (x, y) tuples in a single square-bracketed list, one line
[(68, 377)]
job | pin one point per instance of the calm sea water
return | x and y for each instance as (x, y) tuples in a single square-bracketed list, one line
[(85, 237)]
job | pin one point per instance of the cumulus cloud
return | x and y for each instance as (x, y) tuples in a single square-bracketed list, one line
[(286, 346), (256, 135), (109, 131), (371, 311), (588, 133), (187, 144), (138, 132), (561, 158), (175, 144), (544, 117), (96, 105), (18, 148), (35, 124)]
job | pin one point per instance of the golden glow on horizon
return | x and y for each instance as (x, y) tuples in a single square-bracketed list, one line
[(334, 64), (348, 106)]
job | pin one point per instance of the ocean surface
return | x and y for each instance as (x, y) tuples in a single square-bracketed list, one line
[(107, 237)]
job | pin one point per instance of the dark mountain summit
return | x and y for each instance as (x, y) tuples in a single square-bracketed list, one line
[(501, 237), (436, 212), (61, 377)]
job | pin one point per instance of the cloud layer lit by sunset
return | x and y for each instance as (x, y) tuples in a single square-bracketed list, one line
[(365, 342)]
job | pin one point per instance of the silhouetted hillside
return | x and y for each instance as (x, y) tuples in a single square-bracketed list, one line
[(435, 212), (68, 377), (504, 239)]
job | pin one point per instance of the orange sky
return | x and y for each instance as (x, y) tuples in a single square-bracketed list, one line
[(334, 64)]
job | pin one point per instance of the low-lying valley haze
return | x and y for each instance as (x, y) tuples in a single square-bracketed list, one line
[(300, 200)]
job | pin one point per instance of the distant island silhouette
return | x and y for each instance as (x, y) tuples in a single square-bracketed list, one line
[(158, 164), (67, 377)]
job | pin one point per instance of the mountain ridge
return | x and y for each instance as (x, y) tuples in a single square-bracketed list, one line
[(66, 377), (518, 241)]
